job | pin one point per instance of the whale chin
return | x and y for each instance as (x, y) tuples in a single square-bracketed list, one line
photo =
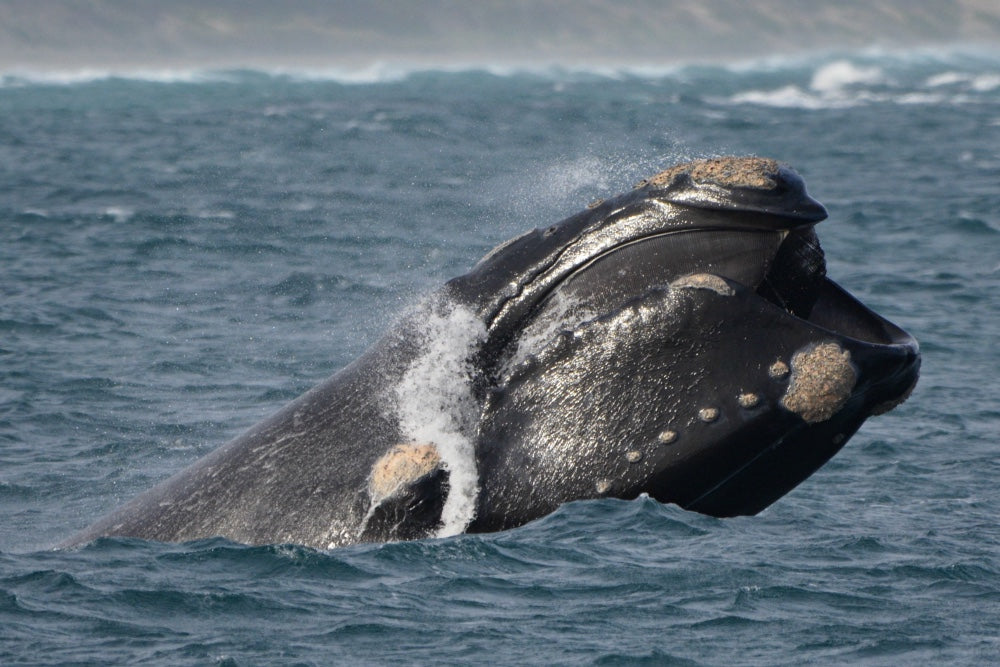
[(885, 363)]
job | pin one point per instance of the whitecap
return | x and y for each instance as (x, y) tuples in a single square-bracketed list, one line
[(834, 77), (985, 83), (981, 83), (946, 79), (118, 213), (920, 98), (374, 72), (215, 214), (25, 77), (835, 85), (787, 97)]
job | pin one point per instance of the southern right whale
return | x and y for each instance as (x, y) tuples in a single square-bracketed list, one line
[(680, 340)]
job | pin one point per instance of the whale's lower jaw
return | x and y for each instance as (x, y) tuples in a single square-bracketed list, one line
[(887, 362), (788, 462)]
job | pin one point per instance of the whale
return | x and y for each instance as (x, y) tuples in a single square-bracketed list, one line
[(681, 340)]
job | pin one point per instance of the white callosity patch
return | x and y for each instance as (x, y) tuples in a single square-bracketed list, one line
[(704, 281), (435, 403), (823, 378), (403, 465)]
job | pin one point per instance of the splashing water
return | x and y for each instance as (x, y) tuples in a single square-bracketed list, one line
[(435, 403), (564, 313)]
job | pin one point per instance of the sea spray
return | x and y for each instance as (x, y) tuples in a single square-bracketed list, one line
[(436, 404), (564, 313)]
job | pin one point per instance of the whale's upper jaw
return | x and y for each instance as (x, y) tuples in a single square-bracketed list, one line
[(749, 185), (719, 198)]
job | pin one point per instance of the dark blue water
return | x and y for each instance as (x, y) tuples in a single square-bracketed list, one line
[(183, 254)]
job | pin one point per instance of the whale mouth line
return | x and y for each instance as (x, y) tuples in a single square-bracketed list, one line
[(840, 313), (652, 238), (627, 269), (784, 267), (754, 257)]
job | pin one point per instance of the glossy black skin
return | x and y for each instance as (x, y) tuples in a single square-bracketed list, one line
[(301, 476), (513, 280), (699, 350), (298, 477)]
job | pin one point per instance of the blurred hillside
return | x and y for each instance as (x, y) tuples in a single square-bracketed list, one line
[(44, 34)]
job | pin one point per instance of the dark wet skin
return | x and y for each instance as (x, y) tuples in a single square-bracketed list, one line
[(683, 292)]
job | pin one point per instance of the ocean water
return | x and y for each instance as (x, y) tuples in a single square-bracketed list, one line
[(184, 252)]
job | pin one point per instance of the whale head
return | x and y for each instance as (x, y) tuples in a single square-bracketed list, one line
[(681, 340)]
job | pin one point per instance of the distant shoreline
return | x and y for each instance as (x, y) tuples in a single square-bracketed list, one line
[(63, 35)]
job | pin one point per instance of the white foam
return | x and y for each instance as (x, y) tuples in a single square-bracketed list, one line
[(215, 214), (946, 79), (562, 313), (984, 83), (979, 83), (790, 97), (375, 72), (23, 77), (920, 98), (387, 72), (834, 70), (119, 213), (834, 77), (835, 85), (435, 404)]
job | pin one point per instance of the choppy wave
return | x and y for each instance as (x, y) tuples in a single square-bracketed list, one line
[(848, 82), (374, 73), (73, 77), (813, 82)]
